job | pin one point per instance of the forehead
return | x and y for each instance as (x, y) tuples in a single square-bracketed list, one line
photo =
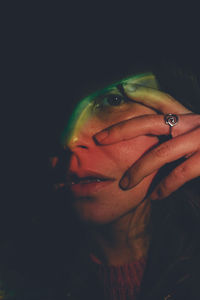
[(145, 79)]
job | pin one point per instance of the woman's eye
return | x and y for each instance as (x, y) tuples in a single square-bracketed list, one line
[(108, 101), (114, 99)]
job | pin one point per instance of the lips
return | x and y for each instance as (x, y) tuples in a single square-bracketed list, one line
[(86, 177), (87, 183)]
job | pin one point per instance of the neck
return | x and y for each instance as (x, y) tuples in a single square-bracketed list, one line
[(126, 239)]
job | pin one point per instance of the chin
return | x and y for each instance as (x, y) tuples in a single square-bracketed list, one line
[(112, 204)]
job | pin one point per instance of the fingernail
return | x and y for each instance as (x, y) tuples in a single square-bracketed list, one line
[(124, 182), (130, 87), (101, 136)]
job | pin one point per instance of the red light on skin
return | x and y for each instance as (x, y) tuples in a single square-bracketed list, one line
[(100, 200), (90, 188)]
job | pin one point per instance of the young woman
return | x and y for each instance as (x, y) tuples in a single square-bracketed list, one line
[(130, 144)]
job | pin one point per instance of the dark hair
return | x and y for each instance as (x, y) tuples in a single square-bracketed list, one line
[(176, 219)]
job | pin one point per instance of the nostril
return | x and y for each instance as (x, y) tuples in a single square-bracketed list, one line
[(77, 143)]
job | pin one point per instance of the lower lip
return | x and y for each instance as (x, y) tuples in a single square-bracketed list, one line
[(86, 189)]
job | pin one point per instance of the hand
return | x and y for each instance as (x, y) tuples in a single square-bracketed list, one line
[(184, 144)]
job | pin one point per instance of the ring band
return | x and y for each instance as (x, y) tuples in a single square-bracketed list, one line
[(171, 120)]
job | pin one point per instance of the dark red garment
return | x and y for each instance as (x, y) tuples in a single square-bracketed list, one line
[(121, 282)]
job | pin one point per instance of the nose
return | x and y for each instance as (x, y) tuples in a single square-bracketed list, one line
[(78, 143), (78, 136), (79, 140), (78, 132)]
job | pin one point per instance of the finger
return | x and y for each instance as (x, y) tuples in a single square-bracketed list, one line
[(128, 129), (145, 125), (154, 98), (161, 155), (185, 172)]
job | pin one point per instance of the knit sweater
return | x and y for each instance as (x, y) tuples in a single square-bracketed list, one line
[(120, 282)]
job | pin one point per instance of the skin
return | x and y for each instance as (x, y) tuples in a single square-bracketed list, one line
[(93, 114), (119, 142), (184, 144)]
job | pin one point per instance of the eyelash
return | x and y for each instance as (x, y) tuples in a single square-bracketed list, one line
[(100, 103), (114, 99)]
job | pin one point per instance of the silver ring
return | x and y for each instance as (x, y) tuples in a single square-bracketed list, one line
[(171, 120)]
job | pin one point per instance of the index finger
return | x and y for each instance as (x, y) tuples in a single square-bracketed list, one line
[(145, 125), (154, 98)]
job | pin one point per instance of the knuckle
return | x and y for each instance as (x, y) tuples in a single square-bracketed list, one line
[(162, 150), (166, 187), (180, 172)]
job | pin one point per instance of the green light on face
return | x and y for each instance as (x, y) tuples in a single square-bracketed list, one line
[(85, 108), (78, 117)]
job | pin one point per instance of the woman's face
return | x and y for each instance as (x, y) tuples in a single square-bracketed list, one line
[(95, 171)]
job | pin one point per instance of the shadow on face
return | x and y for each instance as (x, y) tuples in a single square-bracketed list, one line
[(95, 171)]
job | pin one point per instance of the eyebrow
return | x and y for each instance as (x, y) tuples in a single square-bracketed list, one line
[(119, 85)]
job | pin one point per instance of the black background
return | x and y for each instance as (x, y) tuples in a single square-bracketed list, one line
[(51, 53)]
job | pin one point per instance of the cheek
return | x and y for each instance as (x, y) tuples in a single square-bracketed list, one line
[(126, 153), (112, 203)]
